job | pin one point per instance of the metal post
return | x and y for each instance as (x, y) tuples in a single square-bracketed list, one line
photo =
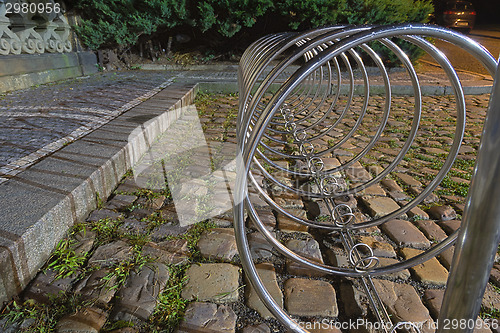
[(479, 236)]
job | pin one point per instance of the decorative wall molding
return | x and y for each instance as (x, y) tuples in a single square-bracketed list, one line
[(33, 26)]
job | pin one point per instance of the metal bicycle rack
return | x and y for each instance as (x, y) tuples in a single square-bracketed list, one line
[(288, 113)]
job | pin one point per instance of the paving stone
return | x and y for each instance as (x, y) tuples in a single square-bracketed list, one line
[(137, 297), (141, 213), (495, 274), (289, 203), (348, 200), (442, 213), (379, 246), (379, 206), (102, 214), (398, 196), (337, 257), (355, 301), (417, 213), (168, 229), (403, 303), (398, 275), (110, 254), (84, 242), (287, 225), (431, 230), (261, 328), (218, 243), (172, 251), (305, 297), (260, 248), (45, 285), (221, 223), (374, 190), (128, 186), (121, 201), (433, 298), (308, 248), (95, 289), (446, 257), (403, 233), (375, 169), (133, 226), (450, 226), (267, 274), (358, 174), (87, 320), (212, 282), (208, 318), (429, 272), (408, 180), (391, 185), (267, 217), (491, 298)]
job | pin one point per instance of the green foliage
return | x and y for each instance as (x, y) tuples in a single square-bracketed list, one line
[(65, 261), (215, 22)]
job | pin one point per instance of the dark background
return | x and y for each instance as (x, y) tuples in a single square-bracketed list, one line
[(488, 11)]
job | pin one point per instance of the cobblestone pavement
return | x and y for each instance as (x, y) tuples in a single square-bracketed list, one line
[(132, 267)]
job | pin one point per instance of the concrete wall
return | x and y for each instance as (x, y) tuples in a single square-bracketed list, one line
[(25, 70)]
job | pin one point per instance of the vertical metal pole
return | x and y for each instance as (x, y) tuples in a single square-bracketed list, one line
[(479, 236)]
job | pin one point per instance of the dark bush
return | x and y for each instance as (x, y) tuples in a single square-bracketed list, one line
[(229, 24)]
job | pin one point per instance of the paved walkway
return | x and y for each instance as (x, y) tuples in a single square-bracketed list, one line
[(134, 262)]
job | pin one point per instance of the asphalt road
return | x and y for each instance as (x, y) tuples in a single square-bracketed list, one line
[(488, 36)]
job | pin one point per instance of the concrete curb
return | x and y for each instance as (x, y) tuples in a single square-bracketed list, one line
[(42, 202)]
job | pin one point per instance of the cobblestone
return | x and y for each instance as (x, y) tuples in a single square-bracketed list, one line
[(267, 274), (404, 233), (429, 272), (305, 297)]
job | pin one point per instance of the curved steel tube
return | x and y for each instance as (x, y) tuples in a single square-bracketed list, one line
[(305, 98)]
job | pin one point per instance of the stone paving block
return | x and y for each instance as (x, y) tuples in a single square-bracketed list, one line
[(417, 213), (308, 248), (398, 275), (267, 274), (208, 318), (111, 253), (172, 251), (380, 206), (348, 200), (133, 226), (218, 243), (355, 301), (491, 298), (168, 229), (287, 225), (87, 320), (260, 248), (267, 217), (380, 247), (137, 297), (391, 185), (442, 213), (337, 257), (305, 297), (446, 257), (375, 169), (404, 233), (121, 201), (358, 174), (431, 230), (46, 284), (94, 288), (450, 226), (102, 214), (217, 283), (128, 186), (429, 272), (261, 328), (289, 203), (403, 303), (495, 275), (433, 298), (84, 242), (408, 180)]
